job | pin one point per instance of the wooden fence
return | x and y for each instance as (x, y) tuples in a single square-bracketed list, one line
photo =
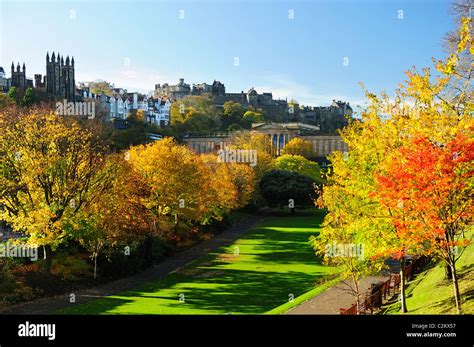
[(379, 292)]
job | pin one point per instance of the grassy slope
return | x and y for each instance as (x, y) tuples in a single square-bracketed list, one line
[(431, 293), (274, 261)]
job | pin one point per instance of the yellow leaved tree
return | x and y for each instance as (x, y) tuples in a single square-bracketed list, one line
[(437, 106), (179, 182), (50, 169)]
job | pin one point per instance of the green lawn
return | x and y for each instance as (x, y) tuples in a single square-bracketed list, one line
[(431, 293), (274, 261)]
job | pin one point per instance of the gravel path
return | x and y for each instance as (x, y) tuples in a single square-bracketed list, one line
[(334, 298)]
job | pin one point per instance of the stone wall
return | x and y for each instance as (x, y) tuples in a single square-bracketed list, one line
[(326, 144)]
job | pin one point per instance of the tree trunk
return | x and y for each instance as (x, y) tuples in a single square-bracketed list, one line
[(175, 224), (48, 259), (95, 266), (402, 285), (457, 297), (448, 272), (98, 247), (356, 285), (148, 245)]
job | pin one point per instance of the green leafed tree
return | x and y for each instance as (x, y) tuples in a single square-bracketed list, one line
[(13, 94), (101, 87), (285, 188), (233, 112), (195, 114), (28, 98), (250, 117), (299, 164)]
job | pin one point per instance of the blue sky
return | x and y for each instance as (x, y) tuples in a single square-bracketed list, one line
[(136, 44)]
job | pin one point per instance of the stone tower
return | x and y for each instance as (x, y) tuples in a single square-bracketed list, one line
[(60, 81), (18, 79), (218, 88)]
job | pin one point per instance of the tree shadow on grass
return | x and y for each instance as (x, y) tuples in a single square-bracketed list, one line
[(101, 306), (237, 291), (465, 271), (448, 305), (227, 289), (299, 212), (284, 247), (469, 295), (278, 247), (444, 306)]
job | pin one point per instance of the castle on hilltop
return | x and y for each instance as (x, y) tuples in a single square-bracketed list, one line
[(328, 118), (217, 91)]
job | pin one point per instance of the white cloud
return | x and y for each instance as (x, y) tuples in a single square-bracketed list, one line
[(285, 88), (141, 80)]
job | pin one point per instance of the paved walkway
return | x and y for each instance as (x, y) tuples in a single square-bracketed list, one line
[(334, 298), (172, 264)]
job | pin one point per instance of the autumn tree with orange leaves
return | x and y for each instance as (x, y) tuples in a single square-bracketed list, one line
[(432, 186), (434, 106)]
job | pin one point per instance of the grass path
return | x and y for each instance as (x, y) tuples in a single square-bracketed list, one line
[(260, 271)]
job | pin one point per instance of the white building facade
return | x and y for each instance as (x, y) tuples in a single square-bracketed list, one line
[(3, 80), (121, 104)]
